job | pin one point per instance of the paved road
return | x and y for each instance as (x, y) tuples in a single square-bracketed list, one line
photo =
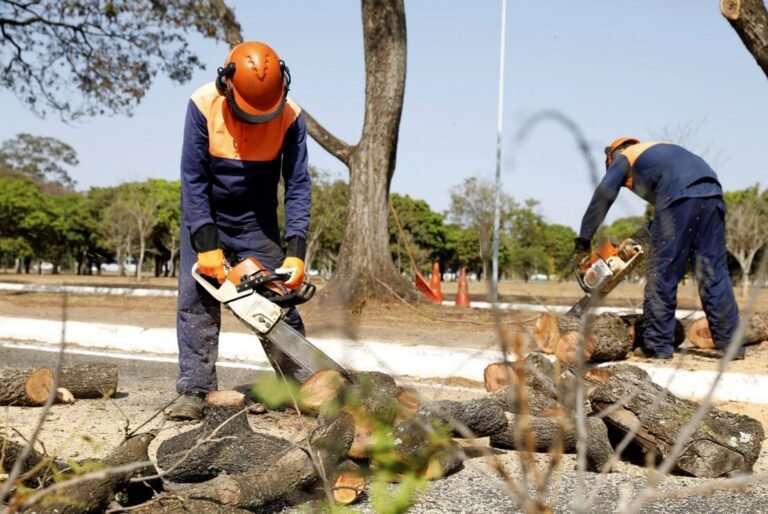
[(146, 386)]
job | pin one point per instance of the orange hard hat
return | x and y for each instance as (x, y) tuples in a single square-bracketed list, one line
[(616, 145), (255, 82)]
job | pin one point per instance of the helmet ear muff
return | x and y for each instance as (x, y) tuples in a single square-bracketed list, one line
[(222, 74), (286, 77)]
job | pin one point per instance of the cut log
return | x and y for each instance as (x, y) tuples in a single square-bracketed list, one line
[(636, 327), (281, 474), (546, 333), (64, 396), (174, 505), (480, 417), (227, 399), (723, 443), (749, 19), (200, 454), (348, 483), (25, 387), (755, 331), (36, 470), (408, 403), (94, 495), (606, 339), (318, 388), (376, 392), (498, 375), (90, 380), (555, 434), (540, 391), (422, 446)]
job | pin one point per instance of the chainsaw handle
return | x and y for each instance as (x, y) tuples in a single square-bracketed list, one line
[(225, 292)]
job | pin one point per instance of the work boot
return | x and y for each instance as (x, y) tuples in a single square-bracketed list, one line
[(190, 406)]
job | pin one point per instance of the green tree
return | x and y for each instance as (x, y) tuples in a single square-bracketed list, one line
[(558, 245), (327, 220), (423, 228), (746, 227), (44, 160), (20, 200), (471, 208), (620, 229), (86, 57), (528, 253), (167, 227)]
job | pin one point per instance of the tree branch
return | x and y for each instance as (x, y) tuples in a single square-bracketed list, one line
[(749, 19), (335, 146), (232, 32)]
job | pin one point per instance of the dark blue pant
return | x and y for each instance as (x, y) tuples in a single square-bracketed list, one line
[(198, 315), (691, 230)]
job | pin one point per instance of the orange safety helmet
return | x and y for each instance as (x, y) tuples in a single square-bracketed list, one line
[(255, 82), (617, 144)]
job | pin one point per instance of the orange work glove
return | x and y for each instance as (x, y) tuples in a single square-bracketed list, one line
[(211, 264), (295, 267)]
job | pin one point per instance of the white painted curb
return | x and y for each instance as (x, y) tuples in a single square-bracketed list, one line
[(412, 360)]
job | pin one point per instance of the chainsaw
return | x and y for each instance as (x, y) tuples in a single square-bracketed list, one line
[(258, 298), (605, 268)]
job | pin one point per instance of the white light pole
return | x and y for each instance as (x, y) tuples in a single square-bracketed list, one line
[(499, 126)]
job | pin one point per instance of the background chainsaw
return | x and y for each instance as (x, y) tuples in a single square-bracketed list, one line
[(601, 271), (257, 297)]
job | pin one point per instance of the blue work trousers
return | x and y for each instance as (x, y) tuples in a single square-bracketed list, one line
[(198, 315), (691, 230)]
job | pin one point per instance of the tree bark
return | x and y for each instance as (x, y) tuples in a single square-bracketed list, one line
[(555, 434), (723, 442), (539, 393), (755, 331), (606, 339), (480, 417), (364, 257), (234, 448), (35, 470), (90, 380), (749, 19), (94, 495), (25, 387), (279, 474)]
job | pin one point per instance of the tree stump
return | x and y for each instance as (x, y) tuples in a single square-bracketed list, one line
[(555, 434), (25, 387), (755, 331), (93, 496), (636, 327), (606, 339), (723, 442), (90, 380)]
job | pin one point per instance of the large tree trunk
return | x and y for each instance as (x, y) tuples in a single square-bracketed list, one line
[(750, 21), (722, 443), (364, 258)]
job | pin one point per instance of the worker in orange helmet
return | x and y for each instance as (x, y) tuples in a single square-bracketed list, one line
[(688, 226), (242, 133)]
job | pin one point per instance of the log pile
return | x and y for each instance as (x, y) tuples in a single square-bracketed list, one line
[(755, 331), (606, 337)]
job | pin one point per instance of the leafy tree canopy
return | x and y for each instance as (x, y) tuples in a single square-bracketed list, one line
[(89, 57), (40, 159)]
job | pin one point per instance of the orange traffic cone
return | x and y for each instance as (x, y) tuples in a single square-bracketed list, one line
[(462, 294), (434, 281)]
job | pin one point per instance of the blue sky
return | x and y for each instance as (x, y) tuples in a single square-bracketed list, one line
[(616, 68)]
